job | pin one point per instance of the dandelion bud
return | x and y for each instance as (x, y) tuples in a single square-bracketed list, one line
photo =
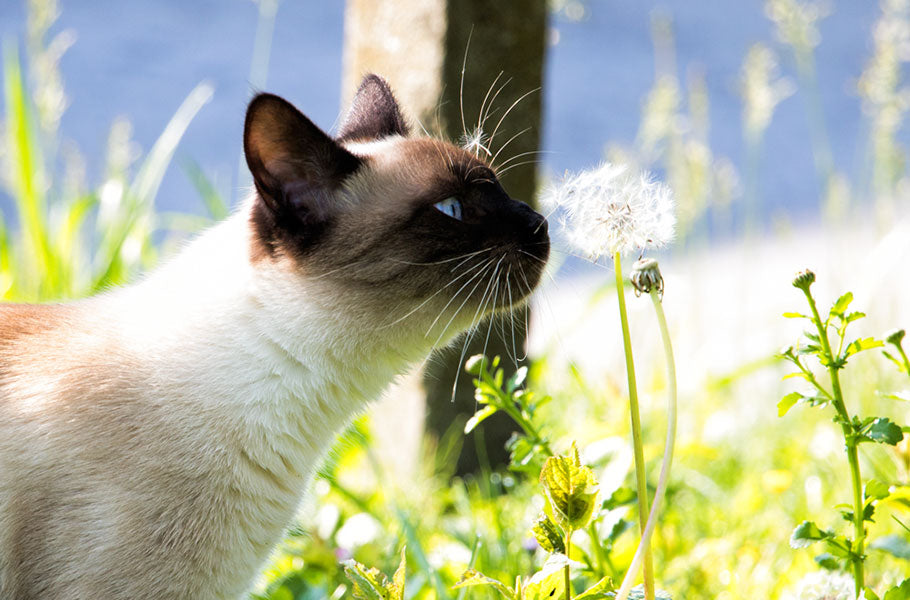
[(646, 276), (803, 280), (895, 337)]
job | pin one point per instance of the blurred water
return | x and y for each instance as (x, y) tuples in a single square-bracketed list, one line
[(141, 59)]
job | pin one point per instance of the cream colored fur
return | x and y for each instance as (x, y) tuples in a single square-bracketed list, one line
[(156, 440)]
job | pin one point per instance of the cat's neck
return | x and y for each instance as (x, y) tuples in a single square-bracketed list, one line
[(247, 340)]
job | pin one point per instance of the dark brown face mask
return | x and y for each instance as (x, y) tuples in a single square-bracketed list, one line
[(394, 221)]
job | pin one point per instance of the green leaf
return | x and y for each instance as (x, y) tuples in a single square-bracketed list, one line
[(861, 345), (828, 561), (368, 584), (570, 490), (597, 591), (787, 402), (855, 316), (638, 593), (398, 579), (895, 545), (883, 431), (479, 417), (869, 594), (548, 535), (899, 592), (806, 534), (841, 304), (876, 490), (795, 315), (620, 497), (472, 578), (549, 582), (903, 396)]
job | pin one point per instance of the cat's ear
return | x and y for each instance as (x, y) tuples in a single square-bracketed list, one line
[(295, 165), (374, 113)]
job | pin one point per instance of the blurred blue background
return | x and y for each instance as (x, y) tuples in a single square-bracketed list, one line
[(140, 60)]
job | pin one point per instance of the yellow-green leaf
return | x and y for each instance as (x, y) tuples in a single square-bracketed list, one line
[(570, 490)]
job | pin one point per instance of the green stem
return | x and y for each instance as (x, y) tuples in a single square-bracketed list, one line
[(640, 479), (850, 442), (599, 553), (659, 493), (904, 357), (568, 552)]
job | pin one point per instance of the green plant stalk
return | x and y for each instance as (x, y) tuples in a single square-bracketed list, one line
[(850, 442), (568, 552), (640, 479), (659, 493)]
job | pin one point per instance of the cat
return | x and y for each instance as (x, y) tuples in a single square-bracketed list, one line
[(155, 440)]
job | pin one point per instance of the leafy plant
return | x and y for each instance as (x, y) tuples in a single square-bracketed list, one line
[(856, 430)]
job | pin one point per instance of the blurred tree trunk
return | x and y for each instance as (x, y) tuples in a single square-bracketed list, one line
[(419, 46)]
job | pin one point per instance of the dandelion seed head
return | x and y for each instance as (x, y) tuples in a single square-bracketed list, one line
[(824, 585), (609, 209), (475, 142)]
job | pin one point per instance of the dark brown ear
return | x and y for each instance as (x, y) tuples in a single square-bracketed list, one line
[(374, 113), (295, 165)]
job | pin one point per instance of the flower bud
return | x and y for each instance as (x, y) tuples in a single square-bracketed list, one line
[(803, 280), (646, 276), (895, 337), (475, 364)]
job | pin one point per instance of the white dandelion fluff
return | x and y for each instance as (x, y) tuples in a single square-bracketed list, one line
[(824, 585), (609, 209)]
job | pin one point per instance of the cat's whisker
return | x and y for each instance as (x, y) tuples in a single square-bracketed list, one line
[(484, 103), (512, 316), (480, 306), (452, 299), (440, 262), (490, 109), (464, 64), (439, 291), (506, 114), (521, 164), (522, 155), (504, 146)]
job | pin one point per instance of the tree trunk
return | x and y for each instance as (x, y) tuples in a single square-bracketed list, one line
[(422, 47)]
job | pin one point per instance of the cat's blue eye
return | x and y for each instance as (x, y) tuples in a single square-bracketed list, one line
[(451, 206)]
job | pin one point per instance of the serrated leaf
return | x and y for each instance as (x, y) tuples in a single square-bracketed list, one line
[(787, 402), (899, 592), (860, 345), (570, 490), (883, 431), (367, 584), (855, 316), (472, 578), (895, 545), (841, 304), (806, 534), (479, 417), (548, 535)]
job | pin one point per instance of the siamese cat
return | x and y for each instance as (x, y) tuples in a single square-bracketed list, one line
[(155, 440)]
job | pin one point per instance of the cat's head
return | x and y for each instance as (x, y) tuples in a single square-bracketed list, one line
[(408, 230)]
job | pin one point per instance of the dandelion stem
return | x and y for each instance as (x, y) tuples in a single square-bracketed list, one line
[(636, 432), (850, 442), (668, 448)]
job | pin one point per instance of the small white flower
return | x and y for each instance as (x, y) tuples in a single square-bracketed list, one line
[(609, 209)]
